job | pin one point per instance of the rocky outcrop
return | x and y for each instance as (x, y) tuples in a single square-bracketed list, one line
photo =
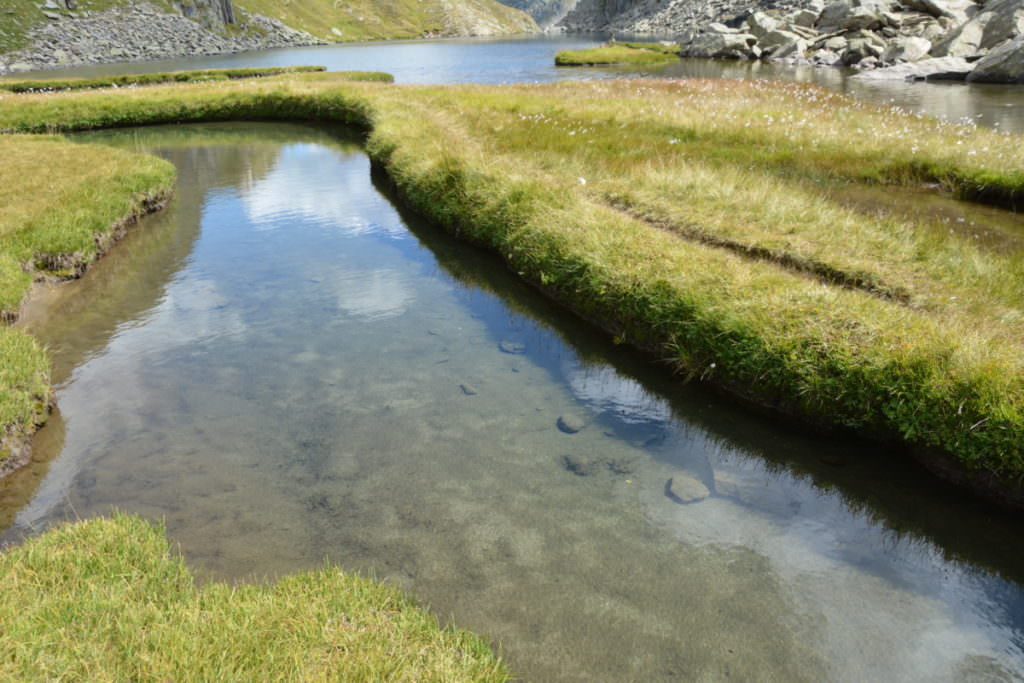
[(142, 31), (546, 13), (912, 39)]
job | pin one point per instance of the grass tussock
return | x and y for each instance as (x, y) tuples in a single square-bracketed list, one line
[(687, 217), (105, 600), (135, 80), (613, 54)]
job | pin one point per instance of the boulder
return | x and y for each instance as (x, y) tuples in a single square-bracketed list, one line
[(1005, 23), (793, 49), (861, 18), (725, 45), (957, 10), (833, 14), (940, 68), (965, 41), (906, 50), (760, 24), (684, 489), (827, 58), (859, 49), (776, 39), (1005, 64), (805, 17)]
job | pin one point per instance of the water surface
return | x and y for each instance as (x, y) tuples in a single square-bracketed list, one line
[(285, 367)]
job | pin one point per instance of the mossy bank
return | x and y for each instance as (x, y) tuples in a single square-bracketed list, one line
[(692, 219)]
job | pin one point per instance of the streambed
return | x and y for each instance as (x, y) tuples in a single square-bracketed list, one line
[(286, 368)]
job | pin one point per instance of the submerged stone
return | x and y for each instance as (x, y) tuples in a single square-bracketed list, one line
[(684, 489), (511, 347), (570, 424)]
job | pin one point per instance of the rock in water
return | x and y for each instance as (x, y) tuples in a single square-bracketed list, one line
[(570, 424), (1005, 64), (468, 389), (684, 489), (511, 347)]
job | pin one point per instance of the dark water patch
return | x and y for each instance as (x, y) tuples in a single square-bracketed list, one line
[(276, 367)]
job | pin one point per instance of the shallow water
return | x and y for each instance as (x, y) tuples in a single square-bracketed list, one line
[(530, 59), (285, 367)]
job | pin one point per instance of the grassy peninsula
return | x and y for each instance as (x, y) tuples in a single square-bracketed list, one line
[(615, 54), (692, 218), (135, 80), (106, 600)]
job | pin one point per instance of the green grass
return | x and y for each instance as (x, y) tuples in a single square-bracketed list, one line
[(106, 600), (688, 218), (53, 85), (611, 54), (356, 20)]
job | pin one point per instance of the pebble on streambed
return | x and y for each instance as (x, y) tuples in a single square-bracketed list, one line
[(570, 424)]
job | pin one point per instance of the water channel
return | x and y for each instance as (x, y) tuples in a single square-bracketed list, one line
[(287, 367)]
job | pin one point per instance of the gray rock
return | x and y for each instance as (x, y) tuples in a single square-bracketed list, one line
[(827, 58), (859, 49), (791, 49), (512, 347), (1005, 64), (906, 50), (1005, 23), (834, 13), (468, 389), (570, 424), (760, 24), (685, 489), (957, 10), (726, 45), (776, 39), (861, 18), (965, 41), (805, 17), (939, 68), (51, 15)]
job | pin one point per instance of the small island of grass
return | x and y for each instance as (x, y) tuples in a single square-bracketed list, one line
[(613, 54)]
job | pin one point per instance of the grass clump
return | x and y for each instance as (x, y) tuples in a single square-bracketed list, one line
[(615, 54), (689, 218), (105, 599), (53, 85)]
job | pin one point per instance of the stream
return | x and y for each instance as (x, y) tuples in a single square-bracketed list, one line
[(286, 367)]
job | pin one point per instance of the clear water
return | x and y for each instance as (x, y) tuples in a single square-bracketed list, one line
[(515, 60), (285, 368)]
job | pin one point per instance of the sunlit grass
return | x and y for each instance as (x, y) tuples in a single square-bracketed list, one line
[(134, 80), (106, 600), (619, 53)]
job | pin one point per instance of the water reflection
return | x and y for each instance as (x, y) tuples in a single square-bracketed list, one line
[(229, 383)]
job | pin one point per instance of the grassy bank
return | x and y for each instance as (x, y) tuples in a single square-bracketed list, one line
[(688, 218), (53, 85), (61, 205), (611, 54), (106, 600)]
